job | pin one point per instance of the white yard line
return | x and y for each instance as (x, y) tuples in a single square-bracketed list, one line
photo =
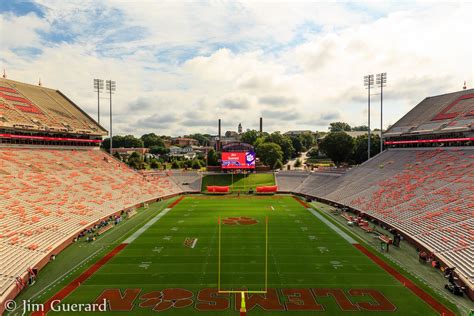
[(136, 234), (333, 227)]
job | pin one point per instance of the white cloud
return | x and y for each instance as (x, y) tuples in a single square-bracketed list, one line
[(179, 66)]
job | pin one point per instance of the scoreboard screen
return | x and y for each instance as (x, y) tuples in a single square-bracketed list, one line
[(238, 160)]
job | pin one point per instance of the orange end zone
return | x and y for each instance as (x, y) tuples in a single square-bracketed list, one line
[(68, 289), (176, 202), (440, 308)]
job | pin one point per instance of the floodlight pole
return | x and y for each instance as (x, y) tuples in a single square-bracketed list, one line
[(110, 86), (110, 91), (98, 85), (368, 82), (381, 81), (98, 107), (368, 112)]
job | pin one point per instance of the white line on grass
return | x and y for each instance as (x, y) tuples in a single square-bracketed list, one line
[(333, 227), (136, 234), (67, 273)]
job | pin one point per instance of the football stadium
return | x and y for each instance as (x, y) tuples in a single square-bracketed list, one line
[(180, 242), (234, 223)]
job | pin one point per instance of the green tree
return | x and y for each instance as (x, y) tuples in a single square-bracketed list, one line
[(338, 146), (339, 127), (212, 159), (117, 155), (135, 161), (203, 139), (278, 165), (152, 139), (297, 143), (127, 141), (175, 164), (269, 153), (154, 164), (260, 140), (308, 140), (359, 153), (284, 142), (185, 163), (362, 128), (196, 164), (313, 153), (159, 150), (249, 137), (297, 163)]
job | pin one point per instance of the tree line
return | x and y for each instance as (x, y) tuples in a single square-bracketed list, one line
[(272, 149)]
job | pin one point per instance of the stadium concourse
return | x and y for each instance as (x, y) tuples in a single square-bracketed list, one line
[(424, 193), (55, 182)]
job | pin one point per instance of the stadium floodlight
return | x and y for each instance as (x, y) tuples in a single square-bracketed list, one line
[(368, 83), (98, 87), (381, 81), (110, 87)]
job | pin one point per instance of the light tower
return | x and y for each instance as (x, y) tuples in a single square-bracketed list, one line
[(381, 80), (368, 83), (110, 87), (98, 87)]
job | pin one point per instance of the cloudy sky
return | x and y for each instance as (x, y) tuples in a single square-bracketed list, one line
[(181, 65)]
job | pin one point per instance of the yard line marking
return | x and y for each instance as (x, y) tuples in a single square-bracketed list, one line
[(333, 227), (137, 234)]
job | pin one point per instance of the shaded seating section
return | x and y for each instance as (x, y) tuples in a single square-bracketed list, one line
[(288, 181), (48, 195), (188, 181), (426, 193)]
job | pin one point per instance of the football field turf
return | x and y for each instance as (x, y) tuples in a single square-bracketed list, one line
[(238, 182), (308, 268)]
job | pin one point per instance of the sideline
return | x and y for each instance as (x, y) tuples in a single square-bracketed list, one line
[(414, 288), (427, 298), (333, 227), (140, 231), (68, 289)]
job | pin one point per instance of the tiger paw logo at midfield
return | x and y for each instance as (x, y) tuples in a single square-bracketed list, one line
[(239, 221), (168, 298)]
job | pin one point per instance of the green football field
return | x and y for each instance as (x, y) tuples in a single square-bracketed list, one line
[(306, 268)]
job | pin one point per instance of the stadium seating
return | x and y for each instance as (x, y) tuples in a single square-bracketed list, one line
[(426, 193), (188, 181), (288, 181), (42, 109), (438, 113), (47, 196)]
